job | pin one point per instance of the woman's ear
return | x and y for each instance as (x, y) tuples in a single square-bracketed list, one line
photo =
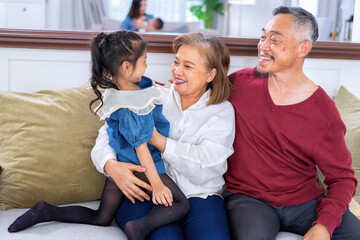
[(212, 75)]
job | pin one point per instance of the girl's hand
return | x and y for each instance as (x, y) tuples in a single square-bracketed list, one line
[(129, 184), (162, 195)]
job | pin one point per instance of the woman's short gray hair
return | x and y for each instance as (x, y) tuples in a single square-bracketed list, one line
[(304, 23)]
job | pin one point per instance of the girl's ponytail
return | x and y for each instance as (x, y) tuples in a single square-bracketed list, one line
[(99, 78)]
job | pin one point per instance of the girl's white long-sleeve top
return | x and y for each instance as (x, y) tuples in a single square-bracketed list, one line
[(199, 143)]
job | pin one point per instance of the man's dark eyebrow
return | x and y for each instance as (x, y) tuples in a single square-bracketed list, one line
[(272, 31)]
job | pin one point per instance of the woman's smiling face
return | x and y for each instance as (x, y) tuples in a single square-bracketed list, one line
[(189, 73)]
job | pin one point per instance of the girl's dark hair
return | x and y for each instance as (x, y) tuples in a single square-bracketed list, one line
[(108, 52), (134, 11)]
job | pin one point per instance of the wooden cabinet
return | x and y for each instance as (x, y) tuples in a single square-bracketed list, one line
[(22, 14)]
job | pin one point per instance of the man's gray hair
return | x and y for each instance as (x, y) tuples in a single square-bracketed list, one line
[(304, 23)]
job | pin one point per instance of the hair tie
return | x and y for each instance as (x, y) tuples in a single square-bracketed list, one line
[(102, 37)]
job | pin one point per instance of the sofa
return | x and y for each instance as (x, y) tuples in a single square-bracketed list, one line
[(45, 143)]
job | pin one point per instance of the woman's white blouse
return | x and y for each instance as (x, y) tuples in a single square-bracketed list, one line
[(199, 143)]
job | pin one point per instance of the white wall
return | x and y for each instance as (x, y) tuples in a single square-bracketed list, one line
[(28, 70), (28, 14)]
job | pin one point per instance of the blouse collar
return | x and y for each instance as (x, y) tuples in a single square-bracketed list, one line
[(199, 104)]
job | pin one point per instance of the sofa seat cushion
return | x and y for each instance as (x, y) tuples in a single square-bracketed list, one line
[(72, 231), (58, 230)]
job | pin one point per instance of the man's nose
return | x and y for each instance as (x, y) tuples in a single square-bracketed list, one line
[(264, 44)]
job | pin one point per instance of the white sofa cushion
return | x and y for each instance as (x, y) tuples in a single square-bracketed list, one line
[(58, 230), (72, 231)]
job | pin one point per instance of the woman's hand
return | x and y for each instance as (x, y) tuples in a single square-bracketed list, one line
[(129, 184), (162, 195)]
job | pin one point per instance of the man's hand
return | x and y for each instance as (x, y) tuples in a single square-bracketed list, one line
[(129, 184), (317, 232)]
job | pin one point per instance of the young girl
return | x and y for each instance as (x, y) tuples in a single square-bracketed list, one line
[(132, 108)]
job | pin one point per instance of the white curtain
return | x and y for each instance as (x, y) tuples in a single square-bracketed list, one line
[(86, 13), (80, 14), (117, 9)]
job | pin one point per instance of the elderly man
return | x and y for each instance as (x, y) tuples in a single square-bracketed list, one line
[(285, 126)]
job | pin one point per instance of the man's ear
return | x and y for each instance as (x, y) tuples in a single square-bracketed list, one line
[(304, 48), (212, 75)]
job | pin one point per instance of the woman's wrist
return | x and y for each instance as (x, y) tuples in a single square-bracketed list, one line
[(108, 166), (160, 142), (163, 141)]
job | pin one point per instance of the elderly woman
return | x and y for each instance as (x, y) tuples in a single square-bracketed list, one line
[(202, 127)]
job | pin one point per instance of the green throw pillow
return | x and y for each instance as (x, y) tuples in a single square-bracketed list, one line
[(349, 108), (45, 142)]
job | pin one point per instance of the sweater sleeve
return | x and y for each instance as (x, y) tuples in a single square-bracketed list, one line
[(334, 160)]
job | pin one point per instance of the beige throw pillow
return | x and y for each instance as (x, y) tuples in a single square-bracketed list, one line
[(354, 207), (45, 142), (349, 108)]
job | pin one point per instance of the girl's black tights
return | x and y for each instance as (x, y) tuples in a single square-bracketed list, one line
[(159, 215), (110, 201)]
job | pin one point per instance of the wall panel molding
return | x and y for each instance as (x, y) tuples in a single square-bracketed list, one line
[(157, 43)]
